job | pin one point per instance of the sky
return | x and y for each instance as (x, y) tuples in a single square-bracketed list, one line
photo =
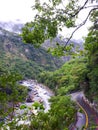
[(21, 11), (11, 10)]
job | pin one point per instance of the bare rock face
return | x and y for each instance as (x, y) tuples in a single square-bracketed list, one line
[(29, 99)]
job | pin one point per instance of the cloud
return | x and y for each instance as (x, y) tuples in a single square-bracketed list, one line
[(16, 9)]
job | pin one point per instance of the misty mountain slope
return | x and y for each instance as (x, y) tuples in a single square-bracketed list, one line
[(12, 26), (77, 45), (24, 58), (62, 41)]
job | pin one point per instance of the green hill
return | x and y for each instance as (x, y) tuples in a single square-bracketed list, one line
[(70, 77)]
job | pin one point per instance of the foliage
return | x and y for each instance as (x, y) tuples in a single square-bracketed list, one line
[(51, 17), (38, 105), (11, 93), (71, 76), (91, 47), (58, 116)]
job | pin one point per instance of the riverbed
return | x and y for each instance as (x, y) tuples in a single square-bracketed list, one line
[(37, 93)]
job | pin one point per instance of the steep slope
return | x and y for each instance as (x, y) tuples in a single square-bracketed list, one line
[(23, 58)]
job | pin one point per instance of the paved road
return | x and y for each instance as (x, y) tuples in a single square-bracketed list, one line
[(90, 118)]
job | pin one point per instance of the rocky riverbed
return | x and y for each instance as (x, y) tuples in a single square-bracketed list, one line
[(37, 93)]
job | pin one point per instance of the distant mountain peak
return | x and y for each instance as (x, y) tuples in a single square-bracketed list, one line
[(11, 26)]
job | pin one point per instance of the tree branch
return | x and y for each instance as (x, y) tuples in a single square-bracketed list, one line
[(92, 6), (80, 9), (83, 23)]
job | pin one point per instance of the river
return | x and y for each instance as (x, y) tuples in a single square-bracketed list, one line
[(37, 92)]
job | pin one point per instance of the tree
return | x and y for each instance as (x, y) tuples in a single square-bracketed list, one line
[(62, 112), (11, 93), (91, 47), (52, 16)]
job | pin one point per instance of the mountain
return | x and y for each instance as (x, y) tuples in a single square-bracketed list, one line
[(77, 45), (11, 26), (16, 27), (62, 41), (23, 58)]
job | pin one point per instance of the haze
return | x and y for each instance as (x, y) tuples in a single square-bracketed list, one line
[(21, 11), (11, 10)]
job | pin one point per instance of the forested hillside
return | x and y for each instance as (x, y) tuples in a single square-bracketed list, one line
[(23, 58), (70, 77)]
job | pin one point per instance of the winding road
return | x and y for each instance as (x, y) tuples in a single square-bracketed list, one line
[(90, 118)]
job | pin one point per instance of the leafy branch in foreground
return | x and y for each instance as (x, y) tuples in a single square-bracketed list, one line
[(52, 16)]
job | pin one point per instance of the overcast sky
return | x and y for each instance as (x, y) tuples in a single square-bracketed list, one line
[(11, 10)]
